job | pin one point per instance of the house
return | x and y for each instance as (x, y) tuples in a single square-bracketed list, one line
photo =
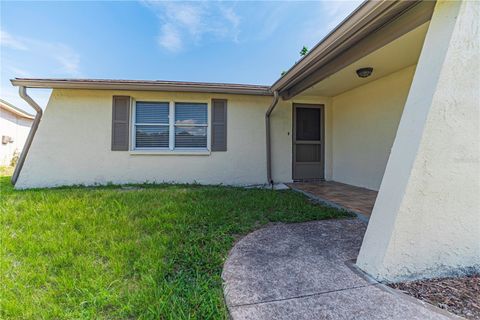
[(388, 101), (14, 128)]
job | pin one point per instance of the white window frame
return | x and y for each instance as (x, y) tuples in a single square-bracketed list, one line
[(171, 124)]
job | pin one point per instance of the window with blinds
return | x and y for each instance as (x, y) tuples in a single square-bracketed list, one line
[(155, 128), (191, 125), (152, 125)]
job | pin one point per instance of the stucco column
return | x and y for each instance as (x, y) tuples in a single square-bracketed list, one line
[(426, 221)]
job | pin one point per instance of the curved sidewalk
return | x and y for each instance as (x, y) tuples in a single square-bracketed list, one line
[(303, 271)]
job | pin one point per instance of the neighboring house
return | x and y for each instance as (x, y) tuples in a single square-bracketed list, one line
[(389, 100), (14, 128)]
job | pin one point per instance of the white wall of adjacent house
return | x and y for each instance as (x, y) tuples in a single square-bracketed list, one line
[(426, 220), (73, 144), (364, 123), (13, 133)]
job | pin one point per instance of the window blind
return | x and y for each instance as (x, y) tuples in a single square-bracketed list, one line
[(191, 125), (150, 112), (151, 125)]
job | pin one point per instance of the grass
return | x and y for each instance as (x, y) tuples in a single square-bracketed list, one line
[(115, 253)]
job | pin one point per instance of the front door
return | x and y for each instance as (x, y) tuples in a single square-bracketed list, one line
[(308, 144)]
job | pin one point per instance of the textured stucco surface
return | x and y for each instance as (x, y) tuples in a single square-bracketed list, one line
[(72, 144), (426, 220), (300, 271), (365, 122)]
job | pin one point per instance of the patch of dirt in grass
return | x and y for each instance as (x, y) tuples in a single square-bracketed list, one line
[(460, 296), (131, 188), (6, 170)]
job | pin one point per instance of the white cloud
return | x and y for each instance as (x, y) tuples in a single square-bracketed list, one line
[(9, 41), (169, 38), (66, 60), (188, 22), (37, 59), (339, 10), (20, 73), (332, 13), (273, 18), (184, 23), (188, 16), (234, 19)]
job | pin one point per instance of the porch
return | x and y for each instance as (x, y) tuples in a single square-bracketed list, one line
[(392, 109), (342, 128), (351, 198)]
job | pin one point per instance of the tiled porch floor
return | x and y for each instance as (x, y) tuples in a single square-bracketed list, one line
[(350, 197)]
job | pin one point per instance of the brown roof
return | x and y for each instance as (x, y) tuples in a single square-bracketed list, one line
[(148, 85)]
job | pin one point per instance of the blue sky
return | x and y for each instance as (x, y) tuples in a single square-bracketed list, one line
[(229, 41)]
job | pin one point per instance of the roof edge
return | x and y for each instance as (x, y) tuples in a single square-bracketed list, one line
[(143, 85), (343, 35), (19, 112)]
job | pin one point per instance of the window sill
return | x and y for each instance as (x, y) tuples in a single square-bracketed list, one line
[(169, 152)]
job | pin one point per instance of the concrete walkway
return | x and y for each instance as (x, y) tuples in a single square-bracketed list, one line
[(302, 271)]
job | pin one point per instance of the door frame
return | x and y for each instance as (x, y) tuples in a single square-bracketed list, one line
[(322, 136)]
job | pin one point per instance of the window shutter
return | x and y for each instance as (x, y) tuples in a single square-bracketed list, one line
[(219, 125), (120, 123)]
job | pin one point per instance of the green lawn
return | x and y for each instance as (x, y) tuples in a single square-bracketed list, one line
[(110, 253)]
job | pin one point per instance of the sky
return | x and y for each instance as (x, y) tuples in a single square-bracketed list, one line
[(229, 41)]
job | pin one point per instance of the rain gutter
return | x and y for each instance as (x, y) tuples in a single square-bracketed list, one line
[(268, 138), (23, 94)]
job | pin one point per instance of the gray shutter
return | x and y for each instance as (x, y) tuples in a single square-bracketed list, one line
[(120, 123), (219, 125)]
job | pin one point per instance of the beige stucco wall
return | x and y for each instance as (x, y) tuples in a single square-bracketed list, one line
[(15, 127), (72, 144), (364, 124), (426, 220)]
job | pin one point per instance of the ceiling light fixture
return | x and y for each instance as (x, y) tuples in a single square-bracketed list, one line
[(365, 72)]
